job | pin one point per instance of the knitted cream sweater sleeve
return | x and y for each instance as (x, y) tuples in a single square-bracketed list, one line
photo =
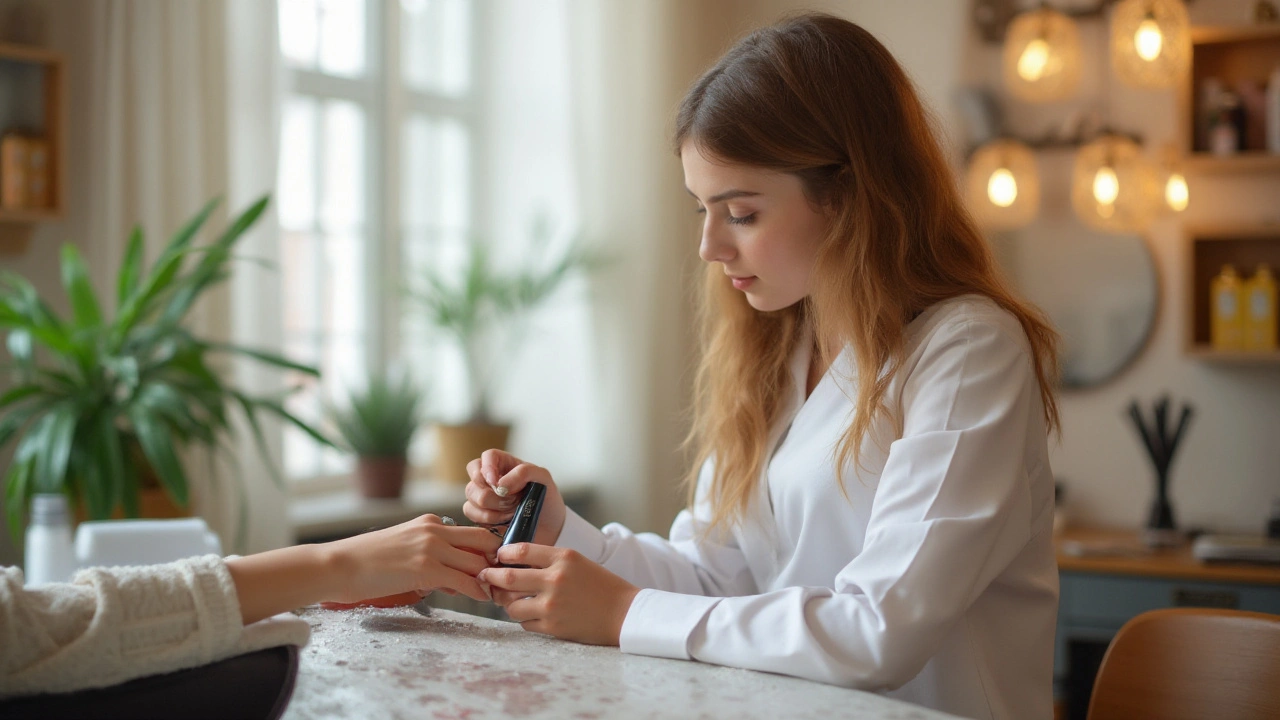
[(110, 625)]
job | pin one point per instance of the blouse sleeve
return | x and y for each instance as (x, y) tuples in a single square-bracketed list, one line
[(691, 562), (951, 510), (110, 625)]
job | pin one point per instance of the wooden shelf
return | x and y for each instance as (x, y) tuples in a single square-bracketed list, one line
[(37, 77), (1208, 249), (33, 215), (1232, 55), (1243, 162), (1234, 357)]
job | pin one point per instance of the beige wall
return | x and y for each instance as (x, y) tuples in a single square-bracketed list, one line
[(37, 258)]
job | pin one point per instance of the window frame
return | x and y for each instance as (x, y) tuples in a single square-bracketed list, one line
[(388, 103)]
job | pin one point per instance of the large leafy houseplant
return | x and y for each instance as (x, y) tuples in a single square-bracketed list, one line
[(96, 399), (470, 308)]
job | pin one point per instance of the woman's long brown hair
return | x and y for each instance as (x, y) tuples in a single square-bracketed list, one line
[(820, 97)]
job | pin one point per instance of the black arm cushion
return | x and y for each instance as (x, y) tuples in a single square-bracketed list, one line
[(257, 685)]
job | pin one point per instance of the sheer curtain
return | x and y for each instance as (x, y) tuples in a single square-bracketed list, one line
[(170, 132)]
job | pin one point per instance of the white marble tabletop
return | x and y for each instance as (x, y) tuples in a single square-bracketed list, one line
[(396, 663)]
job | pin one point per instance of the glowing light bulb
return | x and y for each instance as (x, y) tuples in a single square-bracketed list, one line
[(1148, 39), (1176, 193), (1002, 188), (1106, 187), (1033, 60)]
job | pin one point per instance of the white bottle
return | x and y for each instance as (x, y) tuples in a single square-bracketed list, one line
[(50, 555), (1271, 115)]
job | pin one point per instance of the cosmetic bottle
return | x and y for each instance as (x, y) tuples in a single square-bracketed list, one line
[(1260, 311), (49, 556), (1225, 320)]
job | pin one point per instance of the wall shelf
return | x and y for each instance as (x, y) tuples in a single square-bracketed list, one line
[(1243, 162), (1234, 357), (1232, 55), (1208, 249), (33, 101)]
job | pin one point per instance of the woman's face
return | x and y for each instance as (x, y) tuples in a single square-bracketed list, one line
[(758, 224)]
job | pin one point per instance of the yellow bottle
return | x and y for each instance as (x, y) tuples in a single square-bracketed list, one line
[(1226, 321), (1260, 311)]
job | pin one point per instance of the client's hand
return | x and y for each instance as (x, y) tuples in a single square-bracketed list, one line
[(395, 566), (399, 565)]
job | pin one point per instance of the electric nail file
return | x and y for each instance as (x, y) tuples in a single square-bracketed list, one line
[(525, 521)]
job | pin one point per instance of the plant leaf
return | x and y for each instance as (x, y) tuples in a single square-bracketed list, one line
[(266, 357), (75, 279), (106, 440), (17, 492), (260, 440), (130, 268), (51, 465), (20, 393), (157, 444), (278, 409)]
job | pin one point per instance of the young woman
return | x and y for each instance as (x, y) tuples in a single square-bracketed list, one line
[(114, 624), (872, 501)]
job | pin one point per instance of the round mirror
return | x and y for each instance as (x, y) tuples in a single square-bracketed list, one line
[(1099, 290)]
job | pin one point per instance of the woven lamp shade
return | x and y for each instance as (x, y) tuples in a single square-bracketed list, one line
[(1003, 185), (1150, 42), (1042, 56), (1113, 188)]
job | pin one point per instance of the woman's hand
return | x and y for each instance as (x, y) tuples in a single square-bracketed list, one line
[(396, 566), (561, 593), (494, 491), (411, 559)]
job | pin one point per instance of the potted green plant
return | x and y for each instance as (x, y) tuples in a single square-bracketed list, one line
[(469, 309), (99, 403), (378, 424)]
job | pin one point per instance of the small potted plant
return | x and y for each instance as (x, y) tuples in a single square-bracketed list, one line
[(109, 397), (470, 308), (377, 424)]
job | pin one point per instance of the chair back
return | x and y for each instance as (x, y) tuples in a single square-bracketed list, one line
[(1191, 663)]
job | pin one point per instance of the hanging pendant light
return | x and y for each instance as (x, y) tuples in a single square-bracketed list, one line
[(1042, 56), (1150, 42), (1113, 188), (1173, 181), (1003, 185)]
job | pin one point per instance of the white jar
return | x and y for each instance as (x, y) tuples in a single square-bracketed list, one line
[(50, 556)]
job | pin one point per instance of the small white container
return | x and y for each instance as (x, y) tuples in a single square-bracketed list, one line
[(143, 542), (49, 554)]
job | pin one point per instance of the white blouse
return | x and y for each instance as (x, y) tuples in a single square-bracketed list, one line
[(934, 582)]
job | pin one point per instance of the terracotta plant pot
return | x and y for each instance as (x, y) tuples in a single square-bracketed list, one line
[(457, 445), (381, 477)]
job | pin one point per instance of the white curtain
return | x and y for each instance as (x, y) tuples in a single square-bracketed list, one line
[(172, 130)]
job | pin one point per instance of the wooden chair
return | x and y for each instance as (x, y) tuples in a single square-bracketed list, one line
[(1191, 663)]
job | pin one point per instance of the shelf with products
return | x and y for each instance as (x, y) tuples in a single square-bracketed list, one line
[(1209, 249), (1238, 62), (32, 134)]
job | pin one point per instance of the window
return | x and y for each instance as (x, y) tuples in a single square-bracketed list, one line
[(376, 179)]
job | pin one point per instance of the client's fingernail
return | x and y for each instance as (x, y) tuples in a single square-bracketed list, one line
[(480, 578), (488, 591), (501, 491)]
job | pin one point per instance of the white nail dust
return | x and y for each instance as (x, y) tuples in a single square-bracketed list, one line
[(501, 491)]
